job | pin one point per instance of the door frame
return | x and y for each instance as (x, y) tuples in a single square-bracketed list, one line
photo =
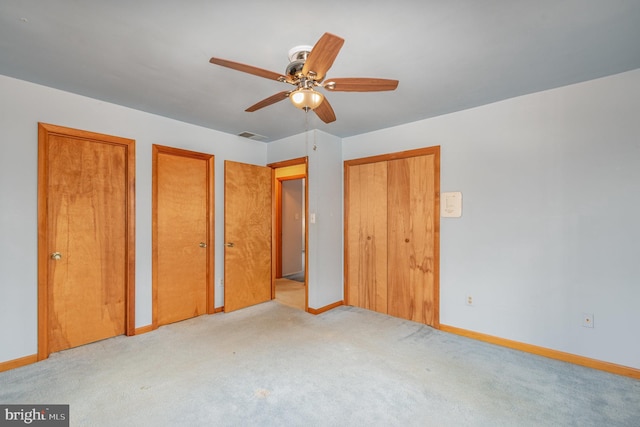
[(210, 240), (435, 151), (44, 132), (277, 224)]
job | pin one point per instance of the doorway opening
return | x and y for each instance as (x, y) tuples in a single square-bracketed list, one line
[(291, 235), (292, 265)]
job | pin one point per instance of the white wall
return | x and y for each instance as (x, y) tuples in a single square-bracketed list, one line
[(22, 106), (551, 215), (325, 201)]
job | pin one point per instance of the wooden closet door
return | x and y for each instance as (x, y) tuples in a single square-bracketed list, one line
[(412, 220), (182, 233), (367, 236), (86, 237), (87, 212)]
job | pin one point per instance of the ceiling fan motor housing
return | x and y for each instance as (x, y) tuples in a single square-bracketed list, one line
[(297, 55), (294, 68)]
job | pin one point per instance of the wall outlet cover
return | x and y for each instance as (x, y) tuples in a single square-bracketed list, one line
[(587, 320)]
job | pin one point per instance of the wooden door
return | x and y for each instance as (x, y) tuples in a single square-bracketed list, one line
[(411, 231), (366, 186), (248, 212), (183, 213), (392, 234), (86, 220)]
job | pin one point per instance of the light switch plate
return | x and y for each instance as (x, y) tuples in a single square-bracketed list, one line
[(451, 204)]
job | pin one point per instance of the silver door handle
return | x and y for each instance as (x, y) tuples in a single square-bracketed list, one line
[(229, 244), (203, 245), (56, 256)]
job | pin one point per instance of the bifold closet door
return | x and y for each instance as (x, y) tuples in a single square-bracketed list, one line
[(392, 234), (367, 236), (412, 252)]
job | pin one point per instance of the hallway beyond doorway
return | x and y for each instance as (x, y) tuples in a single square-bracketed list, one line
[(290, 292)]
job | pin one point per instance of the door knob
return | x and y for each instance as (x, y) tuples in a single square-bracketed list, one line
[(229, 244), (203, 245), (56, 256)]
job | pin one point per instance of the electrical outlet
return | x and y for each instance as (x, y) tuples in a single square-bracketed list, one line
[(221, 282), (587, 320), (469, 300)]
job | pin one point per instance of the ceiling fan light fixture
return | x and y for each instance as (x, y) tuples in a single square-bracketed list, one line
[(306, 99)]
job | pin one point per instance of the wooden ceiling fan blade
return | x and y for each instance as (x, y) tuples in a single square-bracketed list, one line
[(360, 84), (260, 72), (268, 101), (325, 112), (322, 55)]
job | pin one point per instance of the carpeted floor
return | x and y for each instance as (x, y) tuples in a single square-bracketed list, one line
[(272, 365)]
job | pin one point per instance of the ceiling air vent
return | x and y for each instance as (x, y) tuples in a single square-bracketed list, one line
[(253, 136)]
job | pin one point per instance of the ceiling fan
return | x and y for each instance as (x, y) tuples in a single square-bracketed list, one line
[(307, 70)]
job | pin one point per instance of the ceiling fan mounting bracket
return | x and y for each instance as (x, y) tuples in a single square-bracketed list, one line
[(299, 53)]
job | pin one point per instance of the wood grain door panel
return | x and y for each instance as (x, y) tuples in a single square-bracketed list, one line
[(411, 238), (367, 236), (247, 226), (182, 275), (86, 210)]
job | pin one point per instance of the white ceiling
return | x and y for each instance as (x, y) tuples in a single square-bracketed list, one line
[(153, 55)]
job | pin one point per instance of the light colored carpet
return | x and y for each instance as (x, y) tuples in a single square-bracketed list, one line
[(291, 293), (272, 365)]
